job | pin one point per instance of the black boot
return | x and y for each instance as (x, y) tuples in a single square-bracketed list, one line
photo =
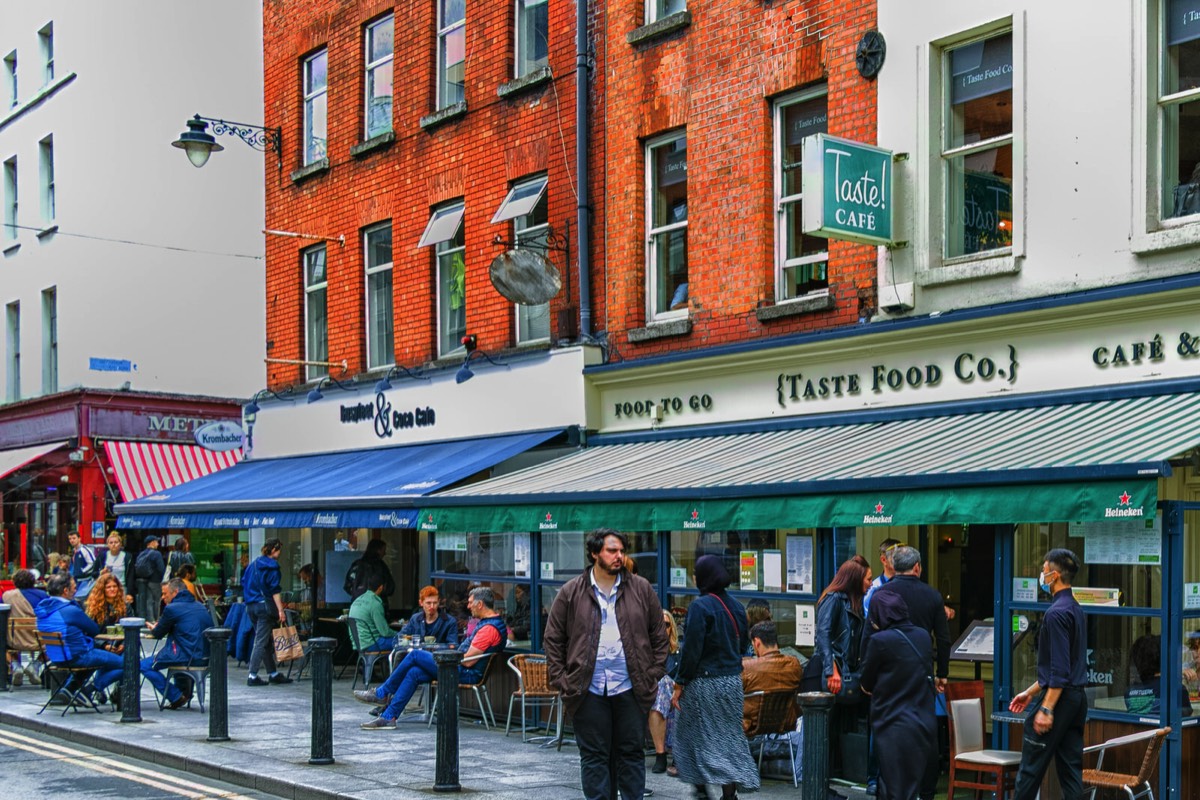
[(701, 792), (660, 763)]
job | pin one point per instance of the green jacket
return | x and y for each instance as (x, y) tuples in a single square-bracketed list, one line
[(372, 622)]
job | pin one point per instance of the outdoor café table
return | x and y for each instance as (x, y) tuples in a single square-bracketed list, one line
[(118, 638), (402, 649)]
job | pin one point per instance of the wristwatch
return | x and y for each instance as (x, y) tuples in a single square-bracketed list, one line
[(1049, 712)]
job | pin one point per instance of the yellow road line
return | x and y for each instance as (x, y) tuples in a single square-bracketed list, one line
[(109, 766)]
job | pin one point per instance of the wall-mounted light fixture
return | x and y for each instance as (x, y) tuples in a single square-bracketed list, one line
[(385, 383), (471, 343), (199, 144), (261, 394), (316, 394)]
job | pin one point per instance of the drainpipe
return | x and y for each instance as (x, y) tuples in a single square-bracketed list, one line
[(582, 221)]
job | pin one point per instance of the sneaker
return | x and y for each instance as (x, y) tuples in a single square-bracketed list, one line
[(256, 681), (369, 697), (279, 678), (380, 724)]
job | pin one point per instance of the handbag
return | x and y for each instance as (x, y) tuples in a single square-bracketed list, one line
[(851, 691), (287, 644)]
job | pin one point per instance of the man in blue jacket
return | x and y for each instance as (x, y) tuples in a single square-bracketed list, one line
[(183, 623), (59, 613)]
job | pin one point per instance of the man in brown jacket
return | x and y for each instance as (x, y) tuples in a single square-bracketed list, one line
[(606, 648), (769, 671)]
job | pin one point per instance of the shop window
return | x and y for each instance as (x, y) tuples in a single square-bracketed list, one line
[(316, 76), (377, 243), (316, 327), (527, 206), (451, 52), (666, 228), (658, 9), (532, 45), (801, 262), (379, 52), (977, 147), (445, 233)]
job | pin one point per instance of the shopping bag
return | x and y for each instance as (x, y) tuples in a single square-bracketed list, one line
[(287, 644)]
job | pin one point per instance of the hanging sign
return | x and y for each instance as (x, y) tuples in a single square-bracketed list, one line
[(847, 190)]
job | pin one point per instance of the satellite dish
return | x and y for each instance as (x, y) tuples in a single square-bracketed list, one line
[(525, 277)]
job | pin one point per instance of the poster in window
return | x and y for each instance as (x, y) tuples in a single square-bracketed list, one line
[(772, 565), (806, 625), (1137, 542), (749, 565), (799, 563)]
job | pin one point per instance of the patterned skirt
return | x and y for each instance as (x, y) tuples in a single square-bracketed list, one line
[(710, 746)]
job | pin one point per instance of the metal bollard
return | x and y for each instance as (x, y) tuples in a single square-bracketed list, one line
[(445, 775), (321, 655), (815, 706), (4, 609), (218, 683), (131, 680)]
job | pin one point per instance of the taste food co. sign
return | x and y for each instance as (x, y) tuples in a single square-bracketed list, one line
[(847, 190)]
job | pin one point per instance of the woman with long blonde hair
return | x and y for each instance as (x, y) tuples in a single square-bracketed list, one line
[(662, 715)]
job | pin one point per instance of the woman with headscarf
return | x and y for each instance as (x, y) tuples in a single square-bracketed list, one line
[(896, 673), (710, 747)]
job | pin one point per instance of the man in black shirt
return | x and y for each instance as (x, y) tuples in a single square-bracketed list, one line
[(1054, 728)]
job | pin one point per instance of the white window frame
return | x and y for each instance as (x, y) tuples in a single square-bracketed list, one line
[(523, 63), (50, 340), (445, 225), (929, 227), (13, 348), (653, 233), (782, 201), (46, 163), (11, 198), (659, 9), (312, 96), (376, 360), (313, 350), (372, 67), (523, 200), (10, 78), (46, 42), (444, 31)]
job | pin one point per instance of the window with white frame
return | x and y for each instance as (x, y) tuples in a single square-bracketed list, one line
[(316, 77), (10, 78), (1179, 107), (49, 340), (977, 147), (46, 159), (316, 313), (379, 52), (666, 227), (801, 261), (657, 9), (445, 234), (12, 319), (452, 52), (527, 206), (10, 198), (46, 42), (533, 30), (377, 242)]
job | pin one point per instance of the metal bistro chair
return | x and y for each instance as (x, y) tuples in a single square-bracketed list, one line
[(481, 693), (533, 688), (967, 753), (76, 683), (198, 672), (366, 658), (1135, 786), (775, 719), (23, 645)]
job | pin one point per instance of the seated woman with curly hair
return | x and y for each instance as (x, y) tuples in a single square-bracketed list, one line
[(106, 605)]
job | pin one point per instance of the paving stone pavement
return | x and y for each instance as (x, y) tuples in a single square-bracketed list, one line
[(270, 728)]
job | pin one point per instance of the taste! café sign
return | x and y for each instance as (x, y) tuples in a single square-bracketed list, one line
[(847, 190)]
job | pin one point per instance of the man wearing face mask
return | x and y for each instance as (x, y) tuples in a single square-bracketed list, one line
[(1054, 728)]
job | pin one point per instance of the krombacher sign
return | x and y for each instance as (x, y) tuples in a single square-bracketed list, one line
[(847, 190)]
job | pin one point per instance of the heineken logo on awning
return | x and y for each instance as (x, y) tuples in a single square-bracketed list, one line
[(428, 524), (694, 520), (1123, 508), (548, 524), (878, 518)]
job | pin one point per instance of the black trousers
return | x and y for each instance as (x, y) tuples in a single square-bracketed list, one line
[(611, 733), (1063, 743)]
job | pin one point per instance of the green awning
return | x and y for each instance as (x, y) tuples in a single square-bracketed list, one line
[(1032, 502)]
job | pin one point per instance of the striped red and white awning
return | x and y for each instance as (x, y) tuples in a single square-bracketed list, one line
[(143, 468)]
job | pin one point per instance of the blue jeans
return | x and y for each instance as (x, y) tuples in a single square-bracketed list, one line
[(108, 666), (417, 667), (385, 643), (150, 667)]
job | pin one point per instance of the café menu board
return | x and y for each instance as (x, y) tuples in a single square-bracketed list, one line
[(800, 563), (1137, 542)]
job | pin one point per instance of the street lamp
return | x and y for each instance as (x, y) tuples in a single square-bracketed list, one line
[(199, 144)]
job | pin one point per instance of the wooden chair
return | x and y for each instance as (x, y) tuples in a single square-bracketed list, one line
[(533, 688), (76, 683), (481, 693), (367, 655), (775, 717), (1134, 786), (964, 700)]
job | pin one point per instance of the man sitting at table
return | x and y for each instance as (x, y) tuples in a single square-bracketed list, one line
[(419, 667), (59, 613), (183, 623), (430, 621), (769, 671), (374, 633)]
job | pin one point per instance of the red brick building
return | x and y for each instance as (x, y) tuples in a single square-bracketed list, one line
[(728, 89), (406, 125)]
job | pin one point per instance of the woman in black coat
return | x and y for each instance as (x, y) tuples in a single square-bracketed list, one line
[(897, 673)]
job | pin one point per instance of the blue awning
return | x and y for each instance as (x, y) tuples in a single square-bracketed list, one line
[(363, 488)]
